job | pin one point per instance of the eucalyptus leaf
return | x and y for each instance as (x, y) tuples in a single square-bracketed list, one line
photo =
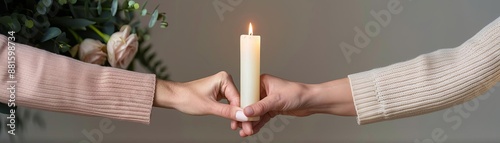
[(144, 5), (28, 33), (99, 7), (11, 23), (109, 28), (164, 24), (104, 17), (86, 8), (15, 25), (47, 3), (52, 32), (62, 2), (62, 38), (20, 17), (153, 19), (114, 7), (131, 3), (136, 6), (5, 19), (72, 10), (70, 22), (144, 12), (64, 48), (101, 19), (41, 9), (28, 23)]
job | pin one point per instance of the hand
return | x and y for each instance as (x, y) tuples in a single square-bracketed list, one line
[(279, 96), (200, 97)]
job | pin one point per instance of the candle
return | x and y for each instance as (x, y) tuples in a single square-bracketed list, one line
[(250, 70)]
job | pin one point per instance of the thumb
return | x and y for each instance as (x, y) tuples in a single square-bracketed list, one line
[(225, 110), (260, 108)]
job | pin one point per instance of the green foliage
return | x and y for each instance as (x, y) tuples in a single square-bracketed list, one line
[(114, 7), (44, 24), (99, 7), (71, 22), (154, 18), (52, 32), (148, 58), (58, 25), (62, 2), (28, 23)]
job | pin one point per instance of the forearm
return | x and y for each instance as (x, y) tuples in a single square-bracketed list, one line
[(165, 92), (333, 97)]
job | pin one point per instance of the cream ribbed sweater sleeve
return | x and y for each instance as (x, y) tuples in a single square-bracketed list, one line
[(57, 83), (431, 81)]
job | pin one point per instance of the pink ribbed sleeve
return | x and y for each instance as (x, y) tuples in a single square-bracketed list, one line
[(57, 83)]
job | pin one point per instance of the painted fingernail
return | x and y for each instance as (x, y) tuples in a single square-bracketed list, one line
[(240, 116)]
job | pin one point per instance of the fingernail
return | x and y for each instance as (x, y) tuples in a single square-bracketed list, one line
[(248, 111), (240, 116)]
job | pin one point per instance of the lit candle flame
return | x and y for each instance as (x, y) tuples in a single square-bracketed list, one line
[(250, 30)]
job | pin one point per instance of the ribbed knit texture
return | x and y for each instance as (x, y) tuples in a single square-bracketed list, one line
[(57, 83), (431, 81)]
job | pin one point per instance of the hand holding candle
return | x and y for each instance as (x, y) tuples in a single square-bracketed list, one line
[(250, 70)]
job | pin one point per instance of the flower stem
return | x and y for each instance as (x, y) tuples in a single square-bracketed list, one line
[(105, 37), (78, 38)]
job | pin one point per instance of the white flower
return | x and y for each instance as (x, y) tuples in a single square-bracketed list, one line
[(90, 51), (122, 47)]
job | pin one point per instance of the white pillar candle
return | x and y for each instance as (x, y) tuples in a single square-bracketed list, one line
[(250, 70)]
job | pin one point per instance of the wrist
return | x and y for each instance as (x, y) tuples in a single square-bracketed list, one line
[(165, 94), (333, 97)]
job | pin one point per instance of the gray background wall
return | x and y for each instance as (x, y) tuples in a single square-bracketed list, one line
[(300, 42)]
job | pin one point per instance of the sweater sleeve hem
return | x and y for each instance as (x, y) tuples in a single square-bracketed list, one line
[(366, 99)]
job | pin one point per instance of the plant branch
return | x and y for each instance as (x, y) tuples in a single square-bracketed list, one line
[(105, 37)]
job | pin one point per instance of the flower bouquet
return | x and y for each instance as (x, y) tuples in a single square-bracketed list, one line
[(103, 32)]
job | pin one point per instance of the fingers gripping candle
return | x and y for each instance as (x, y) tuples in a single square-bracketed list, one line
[(250, 70)]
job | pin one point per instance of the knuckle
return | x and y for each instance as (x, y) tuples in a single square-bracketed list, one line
[(225, 112), (262, 107), (223, 74), (264, 77)]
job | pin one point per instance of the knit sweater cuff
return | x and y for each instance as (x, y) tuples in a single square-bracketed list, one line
[(366, 99)]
